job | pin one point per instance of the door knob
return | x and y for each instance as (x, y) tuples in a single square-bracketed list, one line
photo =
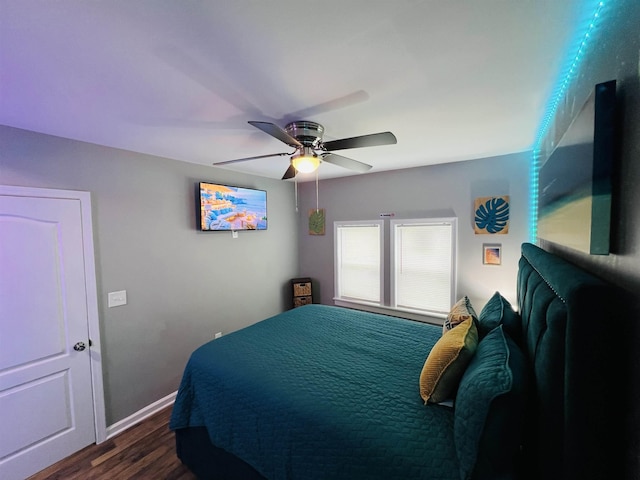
[(80, 346)]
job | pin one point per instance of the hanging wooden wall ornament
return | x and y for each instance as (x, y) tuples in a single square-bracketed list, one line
[(316, 221)]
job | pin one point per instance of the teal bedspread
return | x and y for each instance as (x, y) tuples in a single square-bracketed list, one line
[(321, 392)]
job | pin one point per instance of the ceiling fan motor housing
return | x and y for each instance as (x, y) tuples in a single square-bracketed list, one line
[(307, 133)]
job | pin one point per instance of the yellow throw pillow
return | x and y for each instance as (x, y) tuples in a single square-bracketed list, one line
[(447, 362)]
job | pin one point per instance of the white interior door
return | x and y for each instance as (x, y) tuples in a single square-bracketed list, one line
[(46, 403)]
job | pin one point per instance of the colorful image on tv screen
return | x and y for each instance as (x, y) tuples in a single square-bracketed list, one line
[(223, 207)]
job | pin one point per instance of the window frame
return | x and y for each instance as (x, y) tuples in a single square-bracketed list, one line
[(435, 221), (336, 281), (387, 254)]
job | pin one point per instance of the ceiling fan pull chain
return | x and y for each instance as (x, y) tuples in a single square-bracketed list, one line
[(295, 183)]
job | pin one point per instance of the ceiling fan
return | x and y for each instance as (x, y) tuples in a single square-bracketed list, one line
[(306, 138)]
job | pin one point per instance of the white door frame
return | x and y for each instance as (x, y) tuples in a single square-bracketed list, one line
[(100, 421)]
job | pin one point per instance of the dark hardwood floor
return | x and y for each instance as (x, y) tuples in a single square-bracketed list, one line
[(145, 451)]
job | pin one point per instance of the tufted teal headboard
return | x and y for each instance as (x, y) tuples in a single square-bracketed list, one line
[(571, 322)]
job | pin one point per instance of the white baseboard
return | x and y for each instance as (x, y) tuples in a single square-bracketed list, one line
[(140, 415)]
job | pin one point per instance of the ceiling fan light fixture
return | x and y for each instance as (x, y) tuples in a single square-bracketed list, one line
[(306, 161)]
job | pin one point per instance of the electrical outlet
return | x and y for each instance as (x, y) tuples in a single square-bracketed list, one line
[(234, 234), (115, 299), (218, 335)]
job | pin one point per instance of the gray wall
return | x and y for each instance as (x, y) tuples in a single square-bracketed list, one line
[(438, 190), (615, 54), (182, 285)]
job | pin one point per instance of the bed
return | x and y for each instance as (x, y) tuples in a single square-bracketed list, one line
[(323, 392)]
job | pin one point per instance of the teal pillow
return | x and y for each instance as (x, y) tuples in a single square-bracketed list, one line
[(489, 409), (498, 311)]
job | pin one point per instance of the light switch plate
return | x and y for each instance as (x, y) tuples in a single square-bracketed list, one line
[(115, 299)]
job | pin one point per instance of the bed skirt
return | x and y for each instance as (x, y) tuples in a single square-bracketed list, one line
[(209, 462)]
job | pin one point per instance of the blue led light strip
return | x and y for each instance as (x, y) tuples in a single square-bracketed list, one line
[(565, 80)]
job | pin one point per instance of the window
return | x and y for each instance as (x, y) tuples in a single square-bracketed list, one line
[(358, 261), (420, 264), (423, 265)]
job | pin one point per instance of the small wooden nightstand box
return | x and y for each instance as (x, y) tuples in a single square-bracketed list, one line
[(301, 289)]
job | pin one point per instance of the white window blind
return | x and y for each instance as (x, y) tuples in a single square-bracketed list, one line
[(423, 264), (358, 261)]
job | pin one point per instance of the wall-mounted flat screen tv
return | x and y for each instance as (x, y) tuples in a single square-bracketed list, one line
[(225, 207), (575, 183)]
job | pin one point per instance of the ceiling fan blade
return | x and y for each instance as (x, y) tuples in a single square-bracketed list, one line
[(227, 162), (208, 77), (345, 162), (276, 132), (290, 173), (372, 140), (336, 104)]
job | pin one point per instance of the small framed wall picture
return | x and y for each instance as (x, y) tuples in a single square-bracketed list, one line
[(491, 254)]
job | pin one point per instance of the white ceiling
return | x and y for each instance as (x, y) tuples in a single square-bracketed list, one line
[(452, 79)]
